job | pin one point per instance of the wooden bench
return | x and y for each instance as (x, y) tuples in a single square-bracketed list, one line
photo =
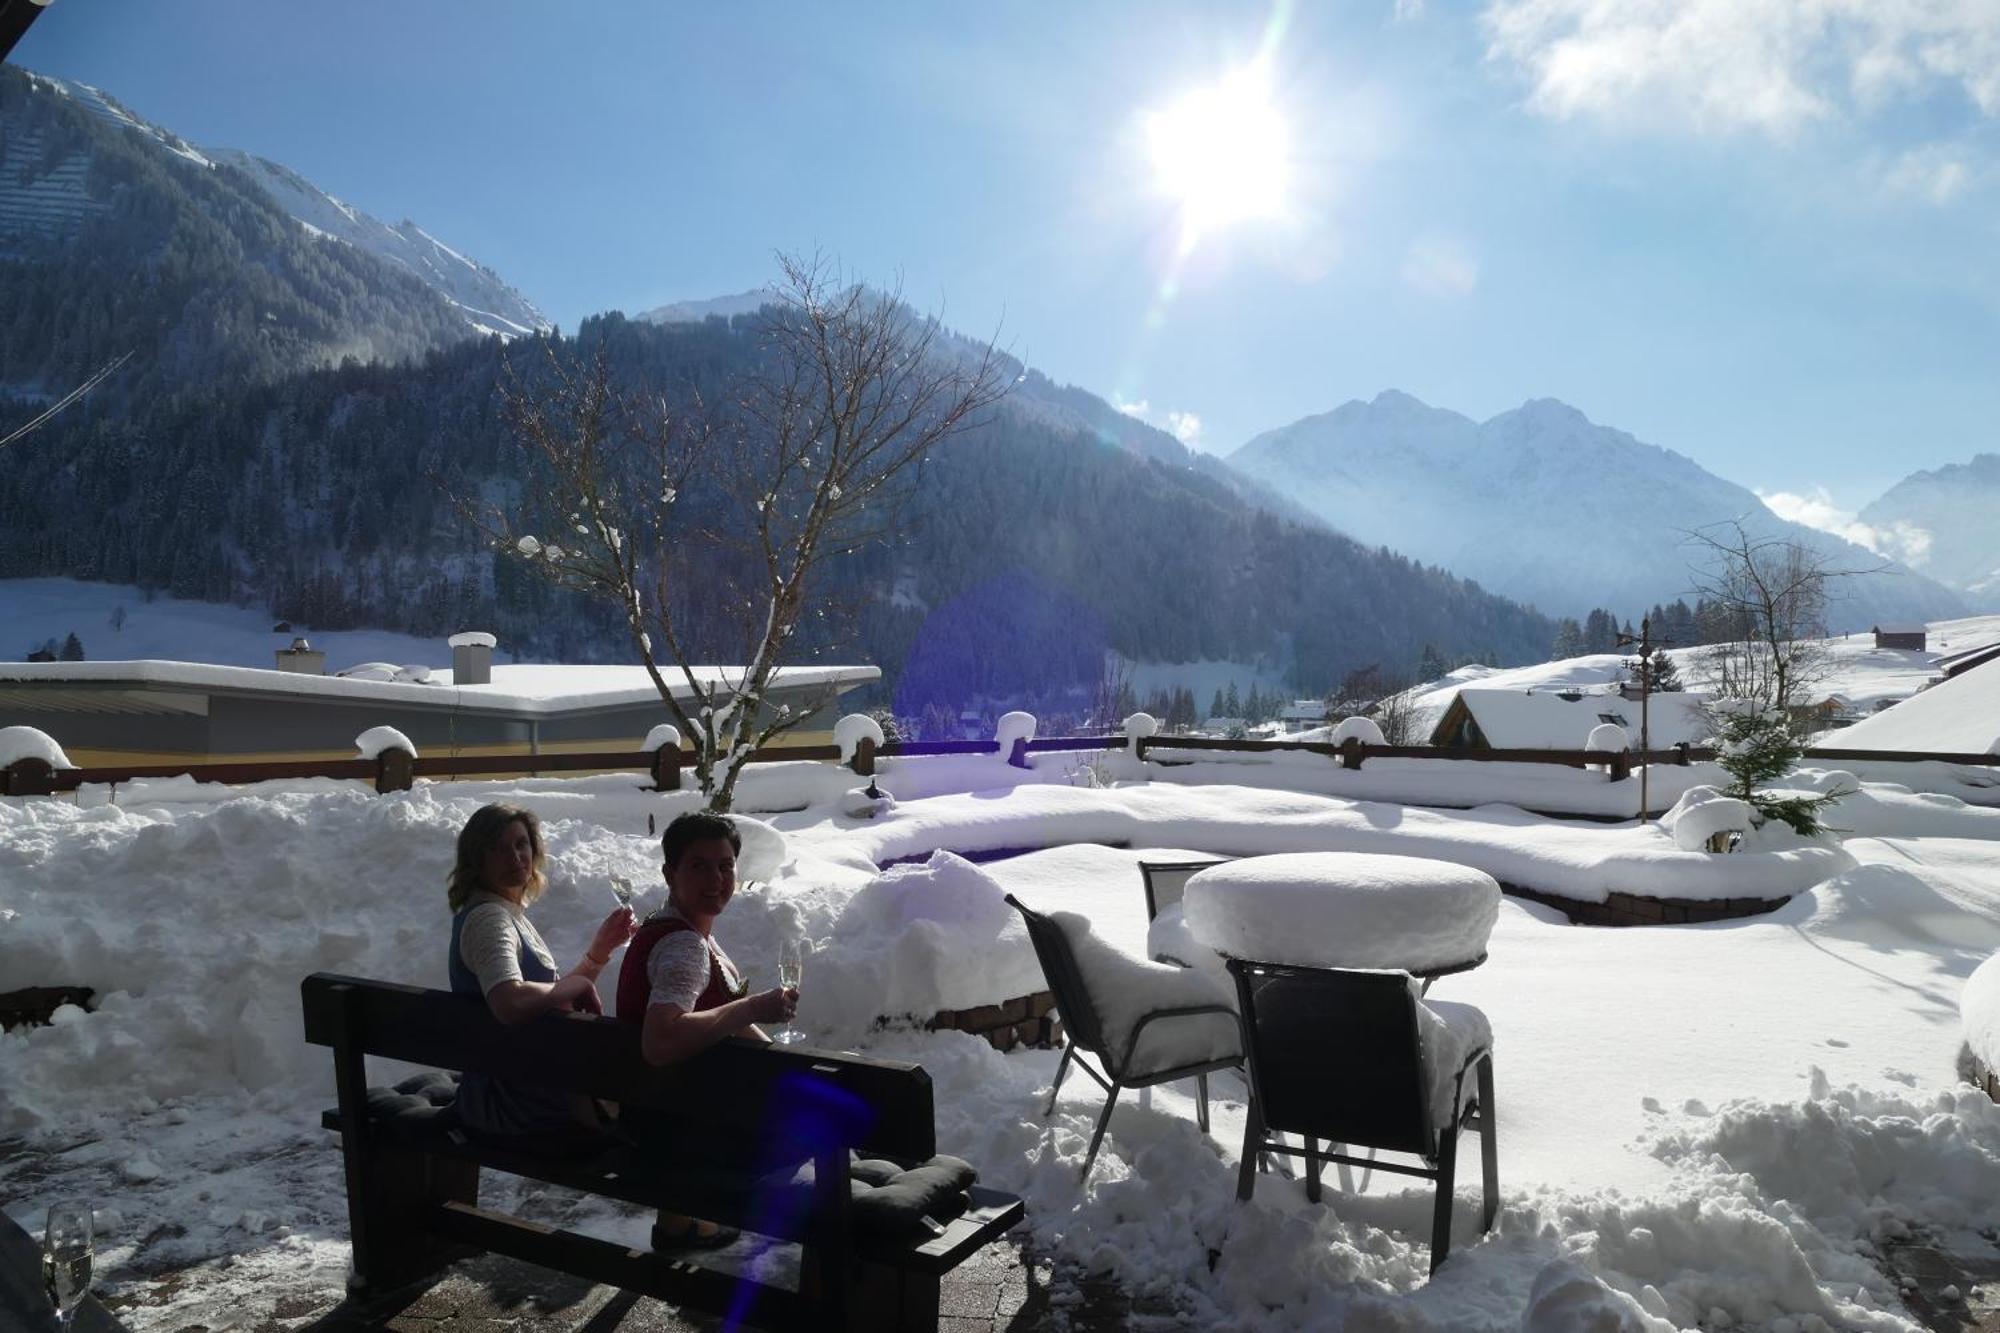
[(413, 1194)]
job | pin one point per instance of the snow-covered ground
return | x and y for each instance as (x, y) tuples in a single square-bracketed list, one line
[(1706, 1126), (172, 629), (1855, 669)]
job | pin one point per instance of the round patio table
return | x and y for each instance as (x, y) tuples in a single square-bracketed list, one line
[(1345, 910)]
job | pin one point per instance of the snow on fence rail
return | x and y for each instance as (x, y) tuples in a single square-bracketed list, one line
[(394, 769)]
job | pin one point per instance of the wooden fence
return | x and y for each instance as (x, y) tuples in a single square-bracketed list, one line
[(396, 770)]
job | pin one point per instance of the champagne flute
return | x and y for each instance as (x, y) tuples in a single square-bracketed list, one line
[(622, 890), (791, 971), (66, 1260)]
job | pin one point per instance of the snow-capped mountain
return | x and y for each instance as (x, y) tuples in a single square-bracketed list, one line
[(715, 307), (1952, 516), (490, 305), (1542, 504), (51, 202)]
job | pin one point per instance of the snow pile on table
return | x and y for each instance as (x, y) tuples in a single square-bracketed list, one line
[(374, 741), (1124, 989), (1979, 1013), (919, 939), (1320, 909), (18, 743), (1703, 812)]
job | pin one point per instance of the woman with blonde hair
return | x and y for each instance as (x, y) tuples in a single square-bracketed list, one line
[(498, 955)]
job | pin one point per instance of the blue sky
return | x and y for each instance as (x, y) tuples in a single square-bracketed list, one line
[(1759, 232)]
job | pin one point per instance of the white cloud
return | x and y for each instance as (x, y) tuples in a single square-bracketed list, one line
[(1440, 266), (1183, 426), (1934, 172), (1407, 10), (1898, 541), (1767, 66)]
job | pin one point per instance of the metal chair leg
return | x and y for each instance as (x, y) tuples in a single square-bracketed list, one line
[(1312, 1169), (1441, 1212), (1062, 1068), (1103, 1123), (1246, 1174), (1201, 1105), (1489, 1147)]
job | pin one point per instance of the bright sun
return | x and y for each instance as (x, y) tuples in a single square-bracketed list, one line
[(1223, 152)]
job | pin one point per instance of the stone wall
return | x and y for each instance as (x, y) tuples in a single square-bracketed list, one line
[(1631, 909), (1029, 1020)]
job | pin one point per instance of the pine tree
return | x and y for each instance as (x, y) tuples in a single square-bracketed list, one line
[(1569, 640), (72, 648), (1431, 664), (1215, 708)]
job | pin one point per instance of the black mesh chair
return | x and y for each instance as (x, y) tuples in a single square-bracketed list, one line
[(1166, 882), (1338, 1058), (1083, 1031)]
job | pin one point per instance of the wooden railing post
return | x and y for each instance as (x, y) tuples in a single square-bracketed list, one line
[(395, 770), (1620, 765), (863, 762), (1351, 753), (667, 768), (28, 777), (1019, 758)]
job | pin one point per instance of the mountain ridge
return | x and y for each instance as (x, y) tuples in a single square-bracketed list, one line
[(1541, 503)]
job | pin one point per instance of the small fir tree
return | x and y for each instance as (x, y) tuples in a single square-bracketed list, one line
[(72, 648), (1756, 746)]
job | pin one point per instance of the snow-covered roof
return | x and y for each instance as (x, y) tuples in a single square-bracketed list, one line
[(535, 689), (1960, 715), (1563, 720)]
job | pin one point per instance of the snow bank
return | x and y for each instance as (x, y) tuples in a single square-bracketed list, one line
[(916, 940), (1703, 812), (372, 742), (851, 730), (764, 851), (1570, 860), (1979, 1012), (18, 743), (1569, 1298), (1333, 909)]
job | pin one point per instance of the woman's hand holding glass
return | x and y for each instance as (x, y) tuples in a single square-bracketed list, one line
[(612, 934)]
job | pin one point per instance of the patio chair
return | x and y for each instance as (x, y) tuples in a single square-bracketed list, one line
[(1168, 941), (1357, 1059), (1146, 1023)]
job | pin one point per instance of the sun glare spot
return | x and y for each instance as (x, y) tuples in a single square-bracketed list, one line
[(1222, 152)]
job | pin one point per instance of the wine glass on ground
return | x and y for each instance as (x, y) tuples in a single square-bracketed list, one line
[(66, 1260), (791, 971)]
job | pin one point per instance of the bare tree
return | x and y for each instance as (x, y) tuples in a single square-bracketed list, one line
[(686, 511), (1772, 592)]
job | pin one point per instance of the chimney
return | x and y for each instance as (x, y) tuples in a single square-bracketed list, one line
[(302, 658), (472, 658)]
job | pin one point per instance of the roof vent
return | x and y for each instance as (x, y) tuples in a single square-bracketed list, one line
[(302, 658), (472, 658)]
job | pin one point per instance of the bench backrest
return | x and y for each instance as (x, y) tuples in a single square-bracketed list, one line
[(1166, 882), (733, 1084), (1335, 1055)]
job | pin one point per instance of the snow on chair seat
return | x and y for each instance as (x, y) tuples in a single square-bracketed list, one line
[(1145, 1022), (1345, 910)]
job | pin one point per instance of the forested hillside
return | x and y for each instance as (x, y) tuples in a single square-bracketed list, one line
[(1029, 550)]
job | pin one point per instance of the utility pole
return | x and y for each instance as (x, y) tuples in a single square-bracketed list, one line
[(1646, 649)]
